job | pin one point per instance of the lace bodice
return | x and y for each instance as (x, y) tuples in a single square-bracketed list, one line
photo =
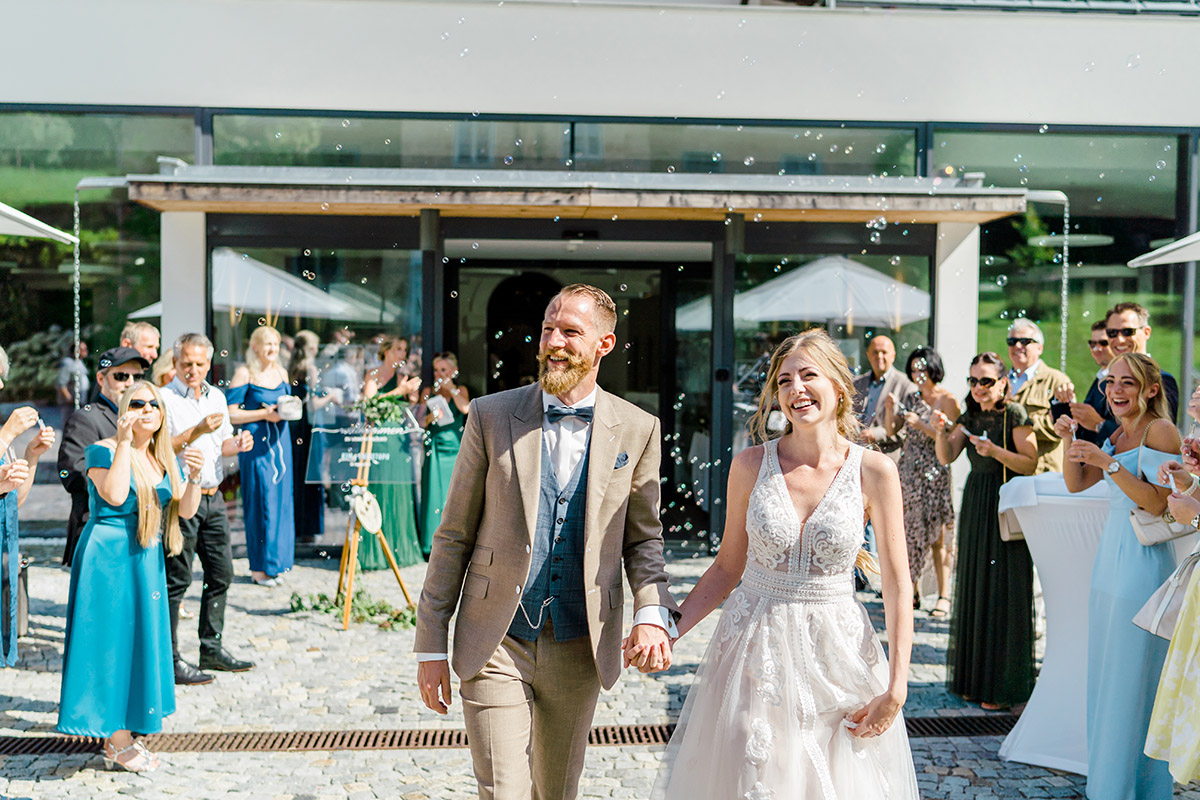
[(811, 560)]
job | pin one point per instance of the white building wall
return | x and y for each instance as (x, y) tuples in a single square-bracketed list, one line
[(627, 60)]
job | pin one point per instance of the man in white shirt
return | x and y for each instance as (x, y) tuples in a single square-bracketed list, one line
[(555, 488), (197, 416)]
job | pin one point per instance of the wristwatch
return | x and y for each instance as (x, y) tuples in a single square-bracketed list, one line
[(1113, 467), (195, 481), (1195, 523)]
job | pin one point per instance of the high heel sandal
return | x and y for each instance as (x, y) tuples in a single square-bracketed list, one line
[(144, 761)]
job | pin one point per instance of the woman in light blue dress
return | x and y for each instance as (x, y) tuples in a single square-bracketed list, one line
[(118, 671), (267, 486), (16, 481), (1124, 661)]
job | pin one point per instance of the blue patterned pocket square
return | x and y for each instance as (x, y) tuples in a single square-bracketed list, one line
[(622, 459)]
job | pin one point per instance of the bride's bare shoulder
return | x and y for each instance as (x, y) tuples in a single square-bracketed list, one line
[(878, 467), (749, 460)]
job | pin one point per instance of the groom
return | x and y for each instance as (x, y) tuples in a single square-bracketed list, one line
[(555, 487)]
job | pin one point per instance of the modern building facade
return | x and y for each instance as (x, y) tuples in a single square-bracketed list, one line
[(437, 169)]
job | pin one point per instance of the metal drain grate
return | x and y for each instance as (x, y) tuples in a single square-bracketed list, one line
[(970, 725), (294, 741)]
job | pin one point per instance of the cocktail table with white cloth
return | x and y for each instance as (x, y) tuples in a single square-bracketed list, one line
[(1062, 531)]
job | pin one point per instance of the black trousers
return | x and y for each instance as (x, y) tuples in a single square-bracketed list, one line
[(205, 535)]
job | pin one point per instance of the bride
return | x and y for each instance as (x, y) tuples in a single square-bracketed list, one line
[(795, 697)]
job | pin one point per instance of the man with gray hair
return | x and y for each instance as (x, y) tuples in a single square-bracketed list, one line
[(198, 416), (143, 337), (1033, 384)]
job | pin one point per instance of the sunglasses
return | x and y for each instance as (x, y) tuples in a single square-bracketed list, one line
[(986, 383), (121, 377), (1126, 332), (1098, 344), (138, 402), (1025, 341)]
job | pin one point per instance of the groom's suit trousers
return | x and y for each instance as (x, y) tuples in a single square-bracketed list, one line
[(528, 715)]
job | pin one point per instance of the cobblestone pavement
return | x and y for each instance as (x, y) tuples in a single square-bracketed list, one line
[(311, 675)]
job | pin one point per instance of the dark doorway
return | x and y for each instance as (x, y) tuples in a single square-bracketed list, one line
[(514, 314)]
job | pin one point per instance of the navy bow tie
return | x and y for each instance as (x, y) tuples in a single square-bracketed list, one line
[(558, 413)]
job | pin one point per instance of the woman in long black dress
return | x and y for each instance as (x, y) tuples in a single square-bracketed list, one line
[(990, 658)]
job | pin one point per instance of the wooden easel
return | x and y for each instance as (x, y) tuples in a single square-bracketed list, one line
[(353, 529)]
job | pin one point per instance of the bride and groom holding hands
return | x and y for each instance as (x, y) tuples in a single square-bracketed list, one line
[(556, 488)]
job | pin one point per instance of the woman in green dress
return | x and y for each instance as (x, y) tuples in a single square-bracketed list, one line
[(990, 657), (391, 479), (445, 415)]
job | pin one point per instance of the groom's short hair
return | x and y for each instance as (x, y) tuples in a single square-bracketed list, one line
[(604, 310)]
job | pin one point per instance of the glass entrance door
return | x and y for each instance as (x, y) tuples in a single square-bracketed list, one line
[(657, 366)]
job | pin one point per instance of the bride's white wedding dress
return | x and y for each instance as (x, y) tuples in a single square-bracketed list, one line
[(793, 654)]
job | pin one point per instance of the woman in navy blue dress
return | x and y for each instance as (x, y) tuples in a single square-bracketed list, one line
[(267, 469), (118, 672)]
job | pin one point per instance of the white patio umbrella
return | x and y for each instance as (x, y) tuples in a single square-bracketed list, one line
[(1185, 249), (18, 223), (831, 289), (241, 283)]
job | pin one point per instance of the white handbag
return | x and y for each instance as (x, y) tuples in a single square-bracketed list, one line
[(1152, 529), (1161, 612), (289, 408)]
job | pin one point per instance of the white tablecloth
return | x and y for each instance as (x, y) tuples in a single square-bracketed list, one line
[(1062, 531)]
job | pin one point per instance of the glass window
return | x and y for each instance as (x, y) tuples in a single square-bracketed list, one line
[(1122, 192), (744, 149), (389, 143), (42, 157), (852, 297), (345, 297)]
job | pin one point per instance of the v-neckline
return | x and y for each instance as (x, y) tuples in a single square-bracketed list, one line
[(825, 494)]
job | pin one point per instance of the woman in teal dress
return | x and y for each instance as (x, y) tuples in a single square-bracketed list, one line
[(990, 655), (266, 470), (445, 418), (118, 673), (392, 480), (1124, 661)]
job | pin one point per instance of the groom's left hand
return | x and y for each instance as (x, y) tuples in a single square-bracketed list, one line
[(648, 648)]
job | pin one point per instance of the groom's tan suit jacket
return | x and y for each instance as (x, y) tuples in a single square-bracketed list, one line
[(482, 547)]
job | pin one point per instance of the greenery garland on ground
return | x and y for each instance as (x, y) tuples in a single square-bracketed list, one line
[(362, 609)]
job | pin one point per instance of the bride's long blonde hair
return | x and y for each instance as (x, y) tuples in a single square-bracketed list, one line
[(150, 520)]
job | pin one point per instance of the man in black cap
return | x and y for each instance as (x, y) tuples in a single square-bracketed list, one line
[(120, 368)]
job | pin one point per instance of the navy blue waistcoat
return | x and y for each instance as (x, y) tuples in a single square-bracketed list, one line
[(556, 569)]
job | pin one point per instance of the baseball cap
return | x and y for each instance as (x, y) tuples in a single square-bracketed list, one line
[(115, 356)]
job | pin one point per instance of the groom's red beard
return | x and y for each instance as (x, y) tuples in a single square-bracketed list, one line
[(560, 381)]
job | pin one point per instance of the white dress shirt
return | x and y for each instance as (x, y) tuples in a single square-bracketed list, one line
[(567, 439), (566, 442), (184, 410)]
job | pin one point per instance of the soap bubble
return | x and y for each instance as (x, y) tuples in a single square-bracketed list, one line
[(1002, 281)]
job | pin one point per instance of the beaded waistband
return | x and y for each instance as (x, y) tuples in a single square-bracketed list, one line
[(809, 589)]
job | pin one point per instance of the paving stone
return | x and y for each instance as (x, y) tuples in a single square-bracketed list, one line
[(311, 675)]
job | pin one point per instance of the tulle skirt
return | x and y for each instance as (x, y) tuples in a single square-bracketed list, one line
[(764, 717)]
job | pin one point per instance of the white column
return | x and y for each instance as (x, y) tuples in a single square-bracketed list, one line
[(956, 319), (183, 281)]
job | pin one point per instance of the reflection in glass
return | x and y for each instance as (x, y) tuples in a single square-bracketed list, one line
[(42, 157), (1122, 190), (777, 296), (744, 149), (277, 140)]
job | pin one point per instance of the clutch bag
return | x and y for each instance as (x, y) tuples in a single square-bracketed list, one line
[(1161, 611)]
